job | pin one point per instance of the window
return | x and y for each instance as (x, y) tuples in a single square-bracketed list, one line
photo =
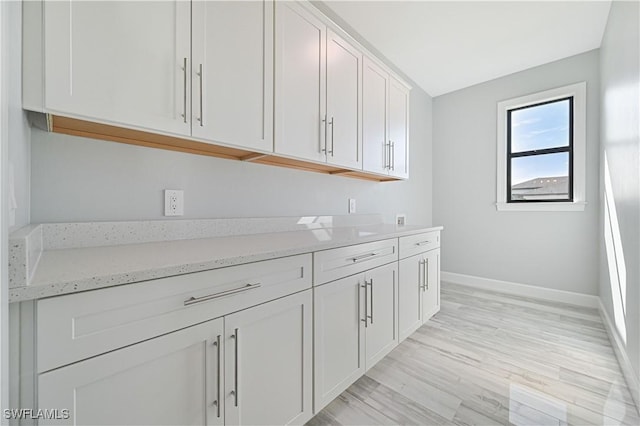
[(541, 150)]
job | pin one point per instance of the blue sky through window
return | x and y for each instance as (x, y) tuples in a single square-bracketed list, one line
[(540, 127)]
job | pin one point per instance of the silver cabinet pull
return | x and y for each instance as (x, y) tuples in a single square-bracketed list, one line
[(420, 273), (438, 279), (384, 155), (364, 256), (192, 300), (422, 243), (426, 273), (389, 155), (184, 87), (234, 392), (216, 403), (331, 124), (370, 316), (366, 297), (392, 155), (324, 122), (199, 74)]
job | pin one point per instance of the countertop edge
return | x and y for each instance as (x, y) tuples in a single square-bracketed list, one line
[(35, 292)]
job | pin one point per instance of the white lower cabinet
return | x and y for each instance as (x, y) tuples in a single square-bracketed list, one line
[(431, 290), (268, 369), (171, 379), (419, 292), (251, 367), (355, 326), (381, 311), (245, 345), (339, 337), (410, 295)]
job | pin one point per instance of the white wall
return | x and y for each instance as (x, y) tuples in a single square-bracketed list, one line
[(557, 250), (620, 139), (78, 179)]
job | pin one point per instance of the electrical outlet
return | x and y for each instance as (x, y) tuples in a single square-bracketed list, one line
[(173, 202), (401, 219), (352, 205)]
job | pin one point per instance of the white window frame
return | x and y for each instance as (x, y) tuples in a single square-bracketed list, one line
[(579, 93)]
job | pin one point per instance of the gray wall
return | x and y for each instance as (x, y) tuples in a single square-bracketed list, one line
[(558, 250), (78, 179), (19, 131), (14, 139), (620, 140)]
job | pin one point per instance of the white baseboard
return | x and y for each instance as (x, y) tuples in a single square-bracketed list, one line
[(633, 382), (526, 290)]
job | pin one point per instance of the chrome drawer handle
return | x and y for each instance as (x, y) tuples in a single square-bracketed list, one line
[(201, 75), (426, 273), (184, 88), (192, 300), (364, 256), (370, 316), (216, 403), (422, 243), (234, 392), (366, 297)]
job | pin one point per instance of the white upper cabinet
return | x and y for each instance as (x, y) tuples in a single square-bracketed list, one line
[(344, 67), (300, 83), (121, 62), (385, 122), (398, 128), (232, 72), (264, 76), (200, 69), (317, 90), (375, 90)]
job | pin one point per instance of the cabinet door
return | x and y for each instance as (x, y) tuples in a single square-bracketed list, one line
[(339, 337), (232, 72), (299, 83), (173, 379), (381, 301), (411, 282), (375, 82), (398, 128), (120, 62), (268, 363), (344, 67), (431, 294)]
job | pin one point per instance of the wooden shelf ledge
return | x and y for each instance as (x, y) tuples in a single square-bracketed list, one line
[(89, 129)]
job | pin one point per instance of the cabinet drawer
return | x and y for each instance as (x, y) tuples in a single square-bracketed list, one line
[(77, 326), (419, 243), (337, 263)]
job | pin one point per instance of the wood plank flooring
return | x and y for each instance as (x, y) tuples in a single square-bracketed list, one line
[(490, 358)]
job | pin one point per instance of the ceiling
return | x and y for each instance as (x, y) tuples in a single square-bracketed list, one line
[(448, 45)]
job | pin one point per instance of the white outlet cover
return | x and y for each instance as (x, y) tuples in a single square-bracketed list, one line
[(401, 219), (352, 205), (173, 202)]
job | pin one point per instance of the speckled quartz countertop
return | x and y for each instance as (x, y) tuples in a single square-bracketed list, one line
[(68, 270)]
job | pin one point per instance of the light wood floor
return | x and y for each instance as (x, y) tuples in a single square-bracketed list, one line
[(490, 358)]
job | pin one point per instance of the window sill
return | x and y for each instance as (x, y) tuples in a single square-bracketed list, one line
[(577, 206)]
